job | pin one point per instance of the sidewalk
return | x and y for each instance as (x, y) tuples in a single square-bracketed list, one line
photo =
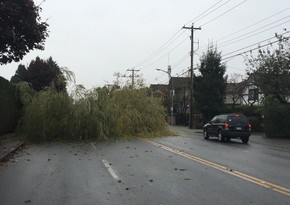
[(256, 137), (8, 145)]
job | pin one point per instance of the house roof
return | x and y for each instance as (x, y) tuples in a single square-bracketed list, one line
[(236, 88), (155, 87), (180, 82)]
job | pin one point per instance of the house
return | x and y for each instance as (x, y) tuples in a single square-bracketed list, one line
[(244, 92)]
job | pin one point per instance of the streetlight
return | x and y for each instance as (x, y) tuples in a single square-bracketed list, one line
[(169, 75)]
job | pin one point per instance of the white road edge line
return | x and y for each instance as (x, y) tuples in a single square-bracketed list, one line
[(93, 145), (110, 169)]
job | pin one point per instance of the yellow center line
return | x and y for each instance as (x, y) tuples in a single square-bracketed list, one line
[(227, 170)]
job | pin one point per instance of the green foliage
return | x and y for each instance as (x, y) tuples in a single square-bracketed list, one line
[(8, 106), (144, 114), (99, 114), (209, 87), (270, 70), (21, 29), (276, 118), (45, 117), (41, 74)]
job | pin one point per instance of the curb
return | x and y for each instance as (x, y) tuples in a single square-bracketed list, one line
[(10, 152)]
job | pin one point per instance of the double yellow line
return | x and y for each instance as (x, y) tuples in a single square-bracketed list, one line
[(227, 170)]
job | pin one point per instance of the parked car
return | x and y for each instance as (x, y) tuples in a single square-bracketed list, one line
[(228, 126)]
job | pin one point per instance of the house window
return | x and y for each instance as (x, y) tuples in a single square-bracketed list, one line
[(254, 94)]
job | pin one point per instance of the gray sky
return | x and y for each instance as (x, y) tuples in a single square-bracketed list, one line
[(95, 39)]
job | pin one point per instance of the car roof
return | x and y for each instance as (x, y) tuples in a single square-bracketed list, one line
[(233, 114)]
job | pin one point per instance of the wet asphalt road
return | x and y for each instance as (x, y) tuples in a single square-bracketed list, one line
[(141, 172)]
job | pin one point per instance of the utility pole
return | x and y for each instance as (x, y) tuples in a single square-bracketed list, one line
[(133, 75), (192, 28)]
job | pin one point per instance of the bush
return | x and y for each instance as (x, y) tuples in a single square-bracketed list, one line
[(8, 106), (45, 118), (276, 118), (100, 115)]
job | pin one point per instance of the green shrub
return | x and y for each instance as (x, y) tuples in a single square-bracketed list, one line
[(101, 114), (45, 118), (276, 118), (8, 106)]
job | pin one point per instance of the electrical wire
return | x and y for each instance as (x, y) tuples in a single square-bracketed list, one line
[(246, 35), (235, 68), (254, 44), (224, 13), (270, 43), (166, 53), (181, 60), (200, 15), (164, 46), (254, 24), (172, 39)]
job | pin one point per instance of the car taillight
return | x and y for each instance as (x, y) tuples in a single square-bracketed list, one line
[(250, 126), (226, 126)]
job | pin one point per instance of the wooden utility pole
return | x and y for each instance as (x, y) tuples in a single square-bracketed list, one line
[(133, 75), (191, 74)]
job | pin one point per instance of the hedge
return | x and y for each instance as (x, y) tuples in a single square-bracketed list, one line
[(276, 118), (8, 106)]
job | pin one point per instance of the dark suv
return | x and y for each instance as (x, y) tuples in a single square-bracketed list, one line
[(228, 126)]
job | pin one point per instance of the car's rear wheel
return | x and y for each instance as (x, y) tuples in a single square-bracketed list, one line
[(205, 134), (220, 137), (245, 140)]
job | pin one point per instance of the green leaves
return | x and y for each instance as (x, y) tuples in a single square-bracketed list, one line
[(276, 118), (99, 114), (270, 70), (209, 86), (43, 73), (21, 29)]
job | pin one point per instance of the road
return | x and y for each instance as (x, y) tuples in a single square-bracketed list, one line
[(183, 169)]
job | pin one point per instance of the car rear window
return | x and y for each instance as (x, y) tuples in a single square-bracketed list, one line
[(237, 119)]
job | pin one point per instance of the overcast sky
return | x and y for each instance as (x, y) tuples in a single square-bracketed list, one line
[(96, 39)]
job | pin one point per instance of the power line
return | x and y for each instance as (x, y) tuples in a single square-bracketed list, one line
[(200, 15), (246, 35), (164, 46), (253, 24), (235, 68), (235, 55), (172, 39), (166, 53), (224, 13), (254, 44), (181, 60), (270, 43)]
